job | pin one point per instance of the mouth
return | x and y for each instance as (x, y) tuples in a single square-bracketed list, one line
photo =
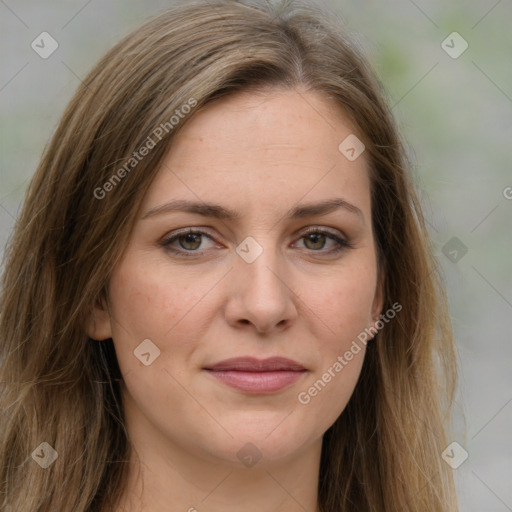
[(255, 376)]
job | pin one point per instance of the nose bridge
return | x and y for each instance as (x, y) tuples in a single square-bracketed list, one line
[(261, 293), (259, 262)]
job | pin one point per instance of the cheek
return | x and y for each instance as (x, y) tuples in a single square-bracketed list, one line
[(149, 303), (150, 299), (346, 302), (345, 307)]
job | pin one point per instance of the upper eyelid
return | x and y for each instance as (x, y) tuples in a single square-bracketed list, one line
[(206, 230), (335, 233)]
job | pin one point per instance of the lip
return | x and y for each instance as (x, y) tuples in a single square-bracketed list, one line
[(257, 376), (252, 364)]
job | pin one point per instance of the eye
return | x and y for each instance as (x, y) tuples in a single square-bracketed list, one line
[(315, 238), (189, 241)]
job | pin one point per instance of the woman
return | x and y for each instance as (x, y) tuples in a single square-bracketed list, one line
[(220, 293)]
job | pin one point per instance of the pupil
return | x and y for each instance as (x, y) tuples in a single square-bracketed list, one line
[(189, 238), (315, 238)]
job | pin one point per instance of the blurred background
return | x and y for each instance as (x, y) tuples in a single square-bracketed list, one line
[(447, 68)]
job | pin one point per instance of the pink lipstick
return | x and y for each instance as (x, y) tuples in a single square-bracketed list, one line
[(257, 376)]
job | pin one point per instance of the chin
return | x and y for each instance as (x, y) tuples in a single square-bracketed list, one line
[(262, 446)]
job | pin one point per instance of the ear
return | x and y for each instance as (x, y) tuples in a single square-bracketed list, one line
[(98, 326)]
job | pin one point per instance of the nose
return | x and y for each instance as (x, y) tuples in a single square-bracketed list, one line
[(261, 293)]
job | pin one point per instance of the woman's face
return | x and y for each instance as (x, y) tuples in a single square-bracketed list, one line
[(254, 285)]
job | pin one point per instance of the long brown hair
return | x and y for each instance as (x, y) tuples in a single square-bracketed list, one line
[(60, 387)]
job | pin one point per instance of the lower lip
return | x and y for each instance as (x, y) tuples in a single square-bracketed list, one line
[(258, 382)]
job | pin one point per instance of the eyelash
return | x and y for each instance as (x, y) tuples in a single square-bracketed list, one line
[(166, 243)]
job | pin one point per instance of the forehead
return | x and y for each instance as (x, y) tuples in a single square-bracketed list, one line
[(263, 151)]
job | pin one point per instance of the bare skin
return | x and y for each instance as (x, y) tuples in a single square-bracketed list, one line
[(261, 155)]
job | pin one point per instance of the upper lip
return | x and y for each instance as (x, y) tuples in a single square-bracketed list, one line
[(252, 364)]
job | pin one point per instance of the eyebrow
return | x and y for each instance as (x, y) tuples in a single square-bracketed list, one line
[(220, 212)]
